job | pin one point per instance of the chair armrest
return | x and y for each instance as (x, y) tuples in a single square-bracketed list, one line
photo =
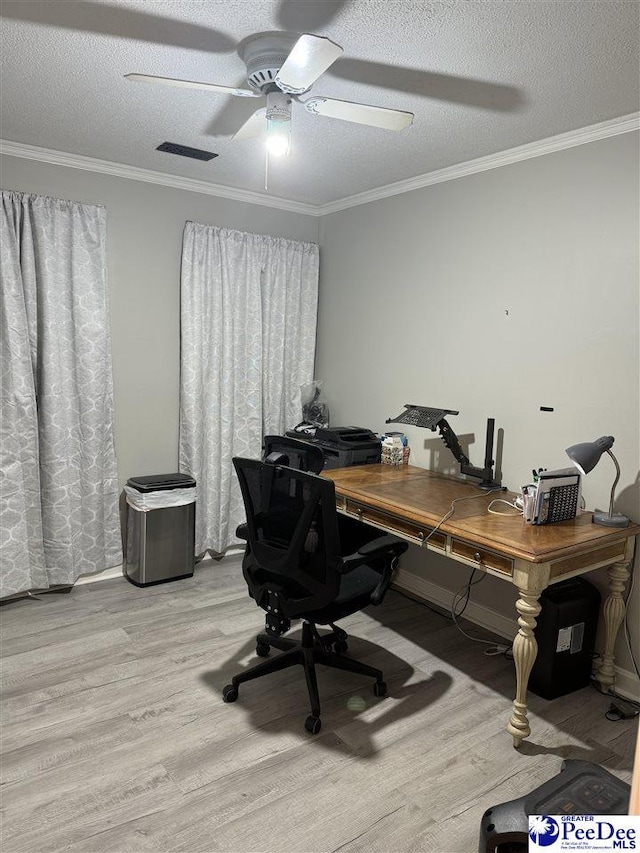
[(379, 548), (385, 581), (242, 531), (383, 544), (385, 550)]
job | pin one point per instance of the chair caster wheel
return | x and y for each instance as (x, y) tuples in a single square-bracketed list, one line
[(230, 693), (380, 688), (313, 724), (340, 647), (263, 649)]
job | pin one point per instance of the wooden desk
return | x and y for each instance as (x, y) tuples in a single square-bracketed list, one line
[(410, 501)]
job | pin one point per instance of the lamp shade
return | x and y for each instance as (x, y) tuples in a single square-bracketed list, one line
[(586, 456)]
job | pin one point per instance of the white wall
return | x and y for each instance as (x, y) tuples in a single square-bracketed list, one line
[(495, 294), (144, 238)]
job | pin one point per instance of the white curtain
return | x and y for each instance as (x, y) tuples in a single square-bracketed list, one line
[(248, 323), (59, 489)]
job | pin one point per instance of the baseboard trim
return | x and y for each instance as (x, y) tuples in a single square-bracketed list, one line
[(487, 618), (627, 683), (118, 571), (104, 575)]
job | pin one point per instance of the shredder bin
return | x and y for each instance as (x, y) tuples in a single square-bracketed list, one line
[(159, 541)]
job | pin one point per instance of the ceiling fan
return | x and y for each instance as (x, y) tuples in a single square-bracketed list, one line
[(280, 74)]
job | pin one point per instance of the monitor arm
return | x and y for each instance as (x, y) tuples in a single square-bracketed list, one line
[(485, 474), (424, 416)]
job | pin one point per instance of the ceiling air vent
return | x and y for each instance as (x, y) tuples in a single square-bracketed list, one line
[(185, 151)]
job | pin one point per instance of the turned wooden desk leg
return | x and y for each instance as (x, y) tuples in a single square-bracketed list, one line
[(612, 614), (530, 584)]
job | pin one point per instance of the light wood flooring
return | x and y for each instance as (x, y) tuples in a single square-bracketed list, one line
[(115, 736)]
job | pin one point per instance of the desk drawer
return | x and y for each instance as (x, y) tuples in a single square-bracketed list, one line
[(409, 530), (483, 557)]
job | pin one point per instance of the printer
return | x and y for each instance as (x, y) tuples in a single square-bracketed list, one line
[(342, 446)]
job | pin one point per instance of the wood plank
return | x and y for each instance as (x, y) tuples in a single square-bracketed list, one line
[(116, 737)]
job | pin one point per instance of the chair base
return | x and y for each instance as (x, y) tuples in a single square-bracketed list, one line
[(311, 650)]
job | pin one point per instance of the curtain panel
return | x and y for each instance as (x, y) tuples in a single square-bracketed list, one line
[(59, 487), (248, 330)]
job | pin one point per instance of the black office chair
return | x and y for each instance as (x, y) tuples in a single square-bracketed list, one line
[(295, 568), (304, 456), (292, 452), (300, 454)]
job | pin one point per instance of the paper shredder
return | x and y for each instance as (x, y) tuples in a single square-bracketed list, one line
[(566, 636), (159, 540)]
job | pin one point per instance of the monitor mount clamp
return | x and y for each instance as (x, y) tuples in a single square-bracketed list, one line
[(433, 419)]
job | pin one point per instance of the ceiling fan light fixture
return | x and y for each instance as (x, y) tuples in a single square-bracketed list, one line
[(278, 107), (278, 114), (278, 139)]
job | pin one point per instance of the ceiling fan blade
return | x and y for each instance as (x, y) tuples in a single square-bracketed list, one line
[(299, 16), (230, 115), (309, 58), (430, 84), (254, 126), (359, 113), (116, 20), (192, 84)]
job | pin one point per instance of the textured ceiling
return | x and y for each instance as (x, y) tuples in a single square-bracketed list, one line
[(480, 77)]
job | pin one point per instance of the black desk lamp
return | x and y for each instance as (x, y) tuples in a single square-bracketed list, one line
[(585, 457)]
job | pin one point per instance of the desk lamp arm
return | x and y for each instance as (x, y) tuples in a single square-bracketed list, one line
[(615, 482)]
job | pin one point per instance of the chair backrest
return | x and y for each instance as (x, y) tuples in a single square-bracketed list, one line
[(300, 454), (293, 452), (293, 559)]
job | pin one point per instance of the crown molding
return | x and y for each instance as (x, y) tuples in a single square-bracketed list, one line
[(582, 136), (613, 127), (120, 170)]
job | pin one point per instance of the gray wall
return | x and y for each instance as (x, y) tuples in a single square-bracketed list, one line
[(495, 294), (144, 238)]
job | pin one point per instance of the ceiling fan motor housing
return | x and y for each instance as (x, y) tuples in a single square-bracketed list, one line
[(264, 56)]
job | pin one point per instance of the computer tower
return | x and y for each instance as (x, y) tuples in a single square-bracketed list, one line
[(566, 636)]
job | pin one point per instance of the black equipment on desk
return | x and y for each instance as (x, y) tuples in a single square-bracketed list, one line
[(580, 788), (343, 446), (425, 416)]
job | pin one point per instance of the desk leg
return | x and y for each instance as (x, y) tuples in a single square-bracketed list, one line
[(612, 614), (530, 583)]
